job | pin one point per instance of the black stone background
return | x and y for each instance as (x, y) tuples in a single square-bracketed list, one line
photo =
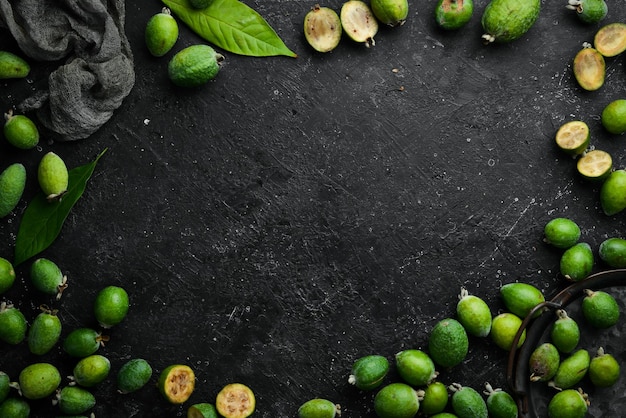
[(294, 215)]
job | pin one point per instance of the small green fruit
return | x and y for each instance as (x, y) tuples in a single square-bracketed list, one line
[(565, 332), (571, 370), (448, 343), (91, 370), (111, 306), (5, 386), (44, 332), (613, 193), (75, 400), (521, 298), (508, 20), (600, 309), (589, 11), (390, 12), (202, 410), (504, 328), (500, 404), (53, 176), (434, 398), (12, 66), (570, 403), (15, 408), (358, 22), (544, 362), (613, 252), (396, 400), (12, 184), (561, 233), (161, 33), (474, 314), (368, 372), (318, 408), (39, 380), (453, 14), (13, 324), (47, 277), (467, 402), (614, 117), (604, 369), (415, 367), (322, 28), (20, 131), (7, 275), (194, 66), (577, 262), (133, 375), (83, 342)]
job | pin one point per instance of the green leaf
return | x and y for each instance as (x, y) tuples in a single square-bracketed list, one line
[(42, 220), (233, 26)]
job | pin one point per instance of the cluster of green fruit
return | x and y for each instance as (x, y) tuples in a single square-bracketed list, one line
[(323, 27), (192, 66)]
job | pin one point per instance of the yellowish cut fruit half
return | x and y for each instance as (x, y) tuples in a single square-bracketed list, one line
[(176, 383), (573, 137), (610, 40), (595, 165), (235, 400), (589, 68), (322, 28), (358, 22)]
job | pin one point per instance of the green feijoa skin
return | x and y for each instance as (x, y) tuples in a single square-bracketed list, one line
[(5, 386), (569, 403), (91, 370), (544, 362), (20, 131), (39, 380), (613, 116), (12, 66), (565, 332), (448, 343), (444, 415), (53, 176), (83, 342), (589, 11), (507, 20), (604, 369), (613, 252), (390, 12), (202, 410), (368, 372), (577, 262), (111, 306), (322, 28), (7, 275), (13, 325), (433, 399), (504, 328), (358, 22), (521, 298), (74, 400), (396, 400), (561, 233), (467, 402), (44, 332), (500, 404), (453, 14), (14, 408), (194, 66), (613, 193), (161, 33), (200, 4), (474, 314), (571, 370), (415, 367), (318, 408), (133, 375), (12, 184), (600, 309), (47, 277)]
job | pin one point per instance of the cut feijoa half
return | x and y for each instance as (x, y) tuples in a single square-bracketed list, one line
[(610, 40), (573, 137), (322, 28), (358, 22), (589, 68)]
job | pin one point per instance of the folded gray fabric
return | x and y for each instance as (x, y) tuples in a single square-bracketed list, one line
[(97, 73)]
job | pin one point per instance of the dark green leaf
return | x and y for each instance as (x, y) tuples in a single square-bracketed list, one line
[(233, 26), (42, 220)]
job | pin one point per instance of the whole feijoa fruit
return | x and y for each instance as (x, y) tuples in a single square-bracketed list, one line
[(12, 184), (500, 404), (358, 22), (508, 20), (589, 68), (13, 325), (453, 14), (571, 370), (322, 28), (200, 4), (474, 314), (235, 400), (161, 33), (15, 408), (176, 383), (74, 400), (613, 252), (448, 343), (7, 275), (20, 131), (600, 309), (44, 332), (133, 375), (396, 400), (577, 262), (467, 402), (39, 380), (390, 12), (589, 11), (53, 176), (434, 398), (368, 372), (202, 410), (83, 342), (5, 386), (565, 332), (91, 370), (318, 408), (47, 277), (569, 403), (613, 117), (504, 329), (604, 369), (561, 233), (12, 66), (613, 193), (610, 40), (521, 298), (415, 367), (194, 66), (544, 362), (111, 306)]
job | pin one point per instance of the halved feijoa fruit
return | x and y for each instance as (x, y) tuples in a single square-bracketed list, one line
[(322, 28), (176, 383), (595, 165), (610, 40), (589, 68), (573, 137), (359, 22), (202, 410), (235, 400)]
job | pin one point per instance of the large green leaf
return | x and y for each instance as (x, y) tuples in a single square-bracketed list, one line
[(42, 220), (232, 26)]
